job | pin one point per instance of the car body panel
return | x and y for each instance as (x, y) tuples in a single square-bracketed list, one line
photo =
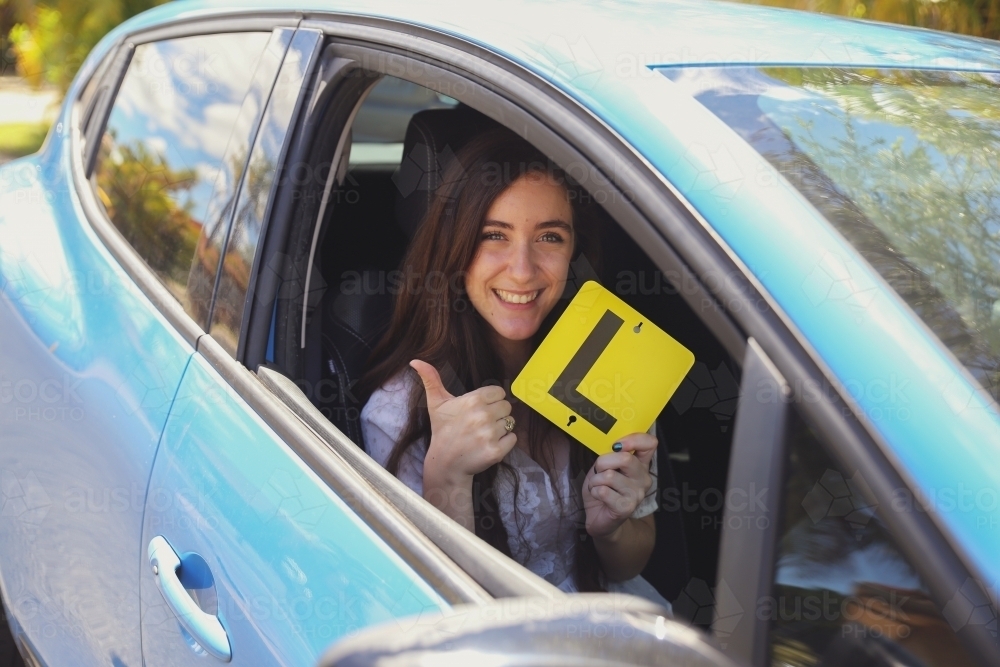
[(294, 568), (90, 367)]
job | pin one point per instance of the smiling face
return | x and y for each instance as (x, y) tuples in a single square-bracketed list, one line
[(525, 247)]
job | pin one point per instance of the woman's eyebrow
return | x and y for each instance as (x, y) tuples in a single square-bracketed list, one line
[(560, 224), (548, 224)]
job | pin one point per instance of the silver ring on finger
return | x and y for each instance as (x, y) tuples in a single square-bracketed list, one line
[(508, 423)]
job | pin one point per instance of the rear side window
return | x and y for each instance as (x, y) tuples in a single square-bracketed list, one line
[(162, 152)]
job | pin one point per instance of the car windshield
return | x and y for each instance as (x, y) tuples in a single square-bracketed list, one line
[(904, 163)]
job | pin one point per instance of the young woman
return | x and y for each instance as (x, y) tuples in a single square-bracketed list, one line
[(483, 279)]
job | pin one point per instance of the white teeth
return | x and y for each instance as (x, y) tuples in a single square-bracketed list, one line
[(510, 297)]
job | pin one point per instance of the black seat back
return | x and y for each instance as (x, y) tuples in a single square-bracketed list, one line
[(432, 139), (353, 320), (355, 312)]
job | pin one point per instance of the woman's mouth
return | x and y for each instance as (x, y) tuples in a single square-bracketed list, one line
[(517, 298)]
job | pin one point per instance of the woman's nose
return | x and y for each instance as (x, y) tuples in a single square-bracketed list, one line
[(521, 263)]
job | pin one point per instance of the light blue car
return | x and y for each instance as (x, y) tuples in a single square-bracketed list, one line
[(195, 266)]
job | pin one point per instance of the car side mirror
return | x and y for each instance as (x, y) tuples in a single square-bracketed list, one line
[(592, 629)]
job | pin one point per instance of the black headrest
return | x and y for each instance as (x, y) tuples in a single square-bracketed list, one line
[(432, 139)]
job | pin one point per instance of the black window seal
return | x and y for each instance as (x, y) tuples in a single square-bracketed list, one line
[(99, 78), (216, 24), (98, 120), (940, 560)]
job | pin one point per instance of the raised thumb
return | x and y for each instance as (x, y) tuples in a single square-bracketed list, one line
[(436, 393)]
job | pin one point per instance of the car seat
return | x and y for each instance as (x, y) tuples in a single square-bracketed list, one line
[(354, 313)]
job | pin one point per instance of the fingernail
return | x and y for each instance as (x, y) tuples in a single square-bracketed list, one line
[(617, 447)]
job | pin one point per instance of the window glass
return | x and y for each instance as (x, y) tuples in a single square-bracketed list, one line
[(380, 126), (255, 195), (903, 163), (843, 593), (162, 151)]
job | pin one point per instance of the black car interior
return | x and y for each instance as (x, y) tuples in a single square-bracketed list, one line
[(364, 231)]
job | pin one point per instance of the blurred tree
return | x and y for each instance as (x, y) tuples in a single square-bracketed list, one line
[(12, 12), (52, 39), (980, 18)]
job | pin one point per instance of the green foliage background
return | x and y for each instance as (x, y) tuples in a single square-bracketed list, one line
[(980, 18), (49, 40)]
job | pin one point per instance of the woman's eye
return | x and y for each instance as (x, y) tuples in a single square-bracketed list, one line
[(552, 237), (492, 236)]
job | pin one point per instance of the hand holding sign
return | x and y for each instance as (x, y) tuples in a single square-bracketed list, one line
[(617, 483), (467, 432)]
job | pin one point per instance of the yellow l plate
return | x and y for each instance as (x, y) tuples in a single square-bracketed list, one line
[(604, 371)]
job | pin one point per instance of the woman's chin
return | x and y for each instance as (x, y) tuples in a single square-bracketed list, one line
[(516, 330)]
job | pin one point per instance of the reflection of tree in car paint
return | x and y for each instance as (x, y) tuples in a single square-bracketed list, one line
[(234, 279), (902, 163), (144, 198)]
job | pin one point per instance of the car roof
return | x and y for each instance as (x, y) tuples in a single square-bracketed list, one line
[(666, 32), (602, 54)]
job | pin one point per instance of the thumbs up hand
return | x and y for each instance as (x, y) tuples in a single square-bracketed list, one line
[(468, 432)]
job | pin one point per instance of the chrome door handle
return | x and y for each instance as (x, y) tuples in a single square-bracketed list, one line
[(206, 629)]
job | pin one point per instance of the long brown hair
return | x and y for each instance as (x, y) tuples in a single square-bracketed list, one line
[(434, 321)]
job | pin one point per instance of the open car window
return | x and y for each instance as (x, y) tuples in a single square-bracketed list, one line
[(348, 230)]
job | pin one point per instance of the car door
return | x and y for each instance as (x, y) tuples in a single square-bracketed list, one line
[(810, 571), (90, 362), (253, 557)]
